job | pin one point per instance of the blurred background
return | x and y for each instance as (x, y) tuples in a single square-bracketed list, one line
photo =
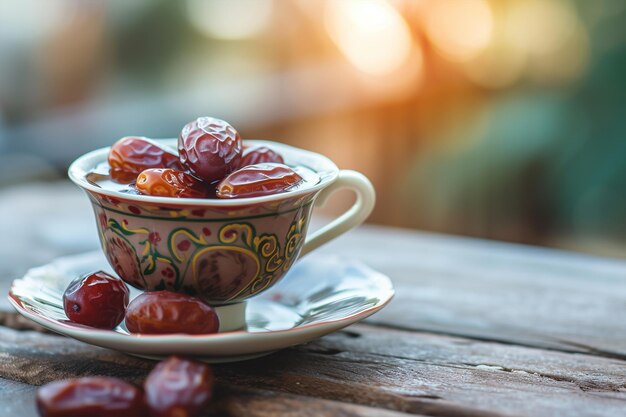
[(500, 119)]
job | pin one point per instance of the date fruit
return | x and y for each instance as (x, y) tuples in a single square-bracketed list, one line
[(209, 148), (131, 155), (258, 180), (166, 312), (165, 182), (178, 387), (97, 300), (258, 155), (91, 396)]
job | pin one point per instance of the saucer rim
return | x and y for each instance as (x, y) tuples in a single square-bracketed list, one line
[(195, 338), (150, 344)]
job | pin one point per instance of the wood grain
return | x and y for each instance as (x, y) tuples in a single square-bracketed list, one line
[(41, 222), (496, 291), (17, 399), (235, 402), (399, 371)]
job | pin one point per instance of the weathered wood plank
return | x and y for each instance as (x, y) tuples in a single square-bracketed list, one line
[(35, 231), (16, 321), (39, 358), (17, 399), (446, 376), (495, 291), (400, 371), (36, 358), (235, 402)]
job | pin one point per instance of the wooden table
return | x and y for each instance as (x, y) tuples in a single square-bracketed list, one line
[(477, 328)]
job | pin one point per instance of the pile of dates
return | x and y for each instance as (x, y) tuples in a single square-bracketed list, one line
[(211, 162), (176, 387), (102, 300)]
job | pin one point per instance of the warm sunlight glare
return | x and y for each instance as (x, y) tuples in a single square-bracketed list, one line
[(498, 66), (552, 36), (371, 34), (541, 27), (459, 29)]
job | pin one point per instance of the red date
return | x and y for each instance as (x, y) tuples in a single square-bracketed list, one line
[(209, 148), (131, 155), (166, 312), (165, 182), (97, 300), (258, 180), (258, 155), (91, 396), (178, 387)]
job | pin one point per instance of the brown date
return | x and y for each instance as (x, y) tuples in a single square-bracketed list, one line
[(165, 312), (90, 397), (97, 300), (178, 387), (209, 148), (258, 155), (258, 180), (165, 182), (131, 155)]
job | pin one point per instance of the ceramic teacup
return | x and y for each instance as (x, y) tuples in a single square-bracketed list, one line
[(222, 251)]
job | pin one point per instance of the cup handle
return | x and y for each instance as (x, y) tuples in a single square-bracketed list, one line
[(354, 216)]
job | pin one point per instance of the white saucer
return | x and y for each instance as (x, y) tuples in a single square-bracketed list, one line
[(318, 296)]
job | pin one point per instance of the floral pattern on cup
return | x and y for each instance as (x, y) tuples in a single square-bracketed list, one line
[(219, 260)]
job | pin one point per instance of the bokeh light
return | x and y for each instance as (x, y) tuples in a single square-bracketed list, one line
[(540, 27), (371, 34), (565, 64), (230, 19), (551, 35), (538, 41), (50, 17), (459, 29), (432, 99), (497, 66)]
